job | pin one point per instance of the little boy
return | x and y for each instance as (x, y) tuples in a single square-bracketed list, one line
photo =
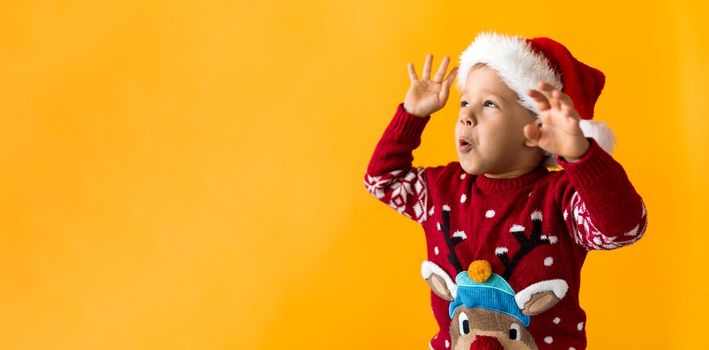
[(506, 238)]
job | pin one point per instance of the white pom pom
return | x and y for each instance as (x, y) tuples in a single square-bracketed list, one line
[(599, 132)]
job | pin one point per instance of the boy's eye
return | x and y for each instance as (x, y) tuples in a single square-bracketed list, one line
[(489, 103)]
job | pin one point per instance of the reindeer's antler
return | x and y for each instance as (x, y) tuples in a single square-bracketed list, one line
[(451, 241), (438, 279), (526, 243)]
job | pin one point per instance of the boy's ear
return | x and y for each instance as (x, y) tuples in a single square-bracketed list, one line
[(531, 135)]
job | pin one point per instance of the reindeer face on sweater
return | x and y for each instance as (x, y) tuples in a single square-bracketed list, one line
[(495, 328), (485, 311)]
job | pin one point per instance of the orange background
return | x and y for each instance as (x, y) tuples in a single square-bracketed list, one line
[(188, 174)]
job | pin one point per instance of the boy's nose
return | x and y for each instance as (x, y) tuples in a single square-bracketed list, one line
[(467, 120)]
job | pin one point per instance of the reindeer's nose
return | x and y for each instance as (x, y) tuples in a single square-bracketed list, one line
[(484, 342)]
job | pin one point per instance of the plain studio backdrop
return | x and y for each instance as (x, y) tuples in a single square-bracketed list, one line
[(189, 174)]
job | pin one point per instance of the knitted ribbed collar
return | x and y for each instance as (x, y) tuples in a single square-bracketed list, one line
[(489, 184)]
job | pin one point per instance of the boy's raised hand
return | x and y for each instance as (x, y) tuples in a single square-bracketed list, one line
[(427, 95), (557, 130)]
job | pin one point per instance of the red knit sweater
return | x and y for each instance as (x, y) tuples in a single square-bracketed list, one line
[(590, 204)]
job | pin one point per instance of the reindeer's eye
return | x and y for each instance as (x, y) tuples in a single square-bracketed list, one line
[(463, 323), (514, 331)]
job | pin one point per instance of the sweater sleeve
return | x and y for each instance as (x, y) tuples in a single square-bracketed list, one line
[(601, 207), (390, 176)]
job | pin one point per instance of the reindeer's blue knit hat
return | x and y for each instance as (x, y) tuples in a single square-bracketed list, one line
[(494, 294)]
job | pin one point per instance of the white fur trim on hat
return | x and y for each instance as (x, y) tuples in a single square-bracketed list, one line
[(514, 60)]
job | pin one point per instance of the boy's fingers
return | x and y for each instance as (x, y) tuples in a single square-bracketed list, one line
[(540, 99), (555, 94), (555, 100), (412, 73), (565, 108), (445, 90), (569, 112), (426, 75), (451, 78), (546, 87), (441, 70), (565, 99)]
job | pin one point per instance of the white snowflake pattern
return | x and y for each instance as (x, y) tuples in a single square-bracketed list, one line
[(406, 192), (587, 234), (375, 185)]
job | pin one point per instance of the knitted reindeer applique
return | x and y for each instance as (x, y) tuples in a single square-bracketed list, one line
[(485, 311)]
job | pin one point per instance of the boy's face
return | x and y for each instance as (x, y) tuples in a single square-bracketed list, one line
[(489, 129)]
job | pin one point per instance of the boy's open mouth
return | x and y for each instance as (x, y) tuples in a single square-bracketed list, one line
[(464, 146)]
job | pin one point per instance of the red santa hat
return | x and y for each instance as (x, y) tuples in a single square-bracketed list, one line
[(522, 63)]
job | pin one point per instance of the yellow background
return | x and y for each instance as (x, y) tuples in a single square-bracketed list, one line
[(188, 174)]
